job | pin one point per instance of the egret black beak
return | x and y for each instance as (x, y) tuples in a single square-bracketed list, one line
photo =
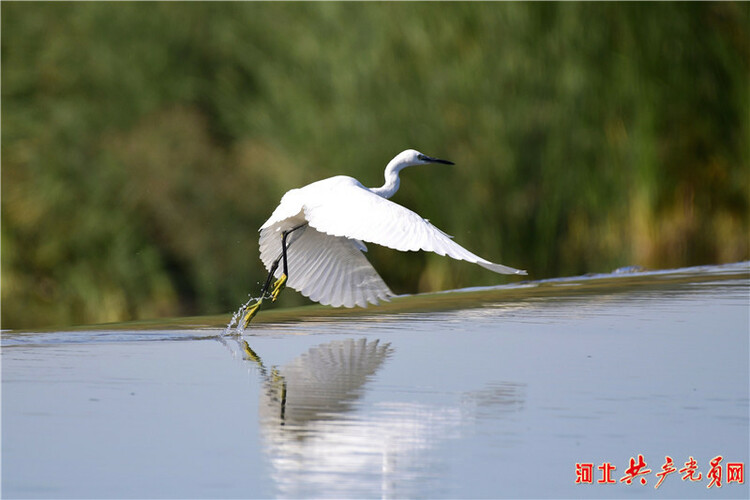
[(429, 159)]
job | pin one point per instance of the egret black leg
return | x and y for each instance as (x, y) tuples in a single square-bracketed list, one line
[(284, 245), (280, 283), (283, 250), (270, 276)]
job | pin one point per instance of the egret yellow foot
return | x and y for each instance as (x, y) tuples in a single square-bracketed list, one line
[(251, 312), (278, 287)]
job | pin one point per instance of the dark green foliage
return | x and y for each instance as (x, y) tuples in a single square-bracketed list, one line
[(143, 144)]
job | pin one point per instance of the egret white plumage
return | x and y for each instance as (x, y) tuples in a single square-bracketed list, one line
[(318, 234)]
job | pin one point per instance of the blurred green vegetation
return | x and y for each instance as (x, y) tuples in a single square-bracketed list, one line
[(143, 144)]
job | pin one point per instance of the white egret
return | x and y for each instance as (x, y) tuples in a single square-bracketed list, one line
[(318, 233)]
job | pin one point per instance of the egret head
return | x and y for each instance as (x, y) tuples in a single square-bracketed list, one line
[(411, 157)]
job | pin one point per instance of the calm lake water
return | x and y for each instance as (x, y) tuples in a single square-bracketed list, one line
[(482, 393)]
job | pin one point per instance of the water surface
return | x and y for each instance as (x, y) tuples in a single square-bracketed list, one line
[(481, 393)]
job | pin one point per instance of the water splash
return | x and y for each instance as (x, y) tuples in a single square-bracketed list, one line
[(236, 326), (235, 323)]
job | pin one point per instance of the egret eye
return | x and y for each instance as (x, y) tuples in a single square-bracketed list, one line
[(422, 157)]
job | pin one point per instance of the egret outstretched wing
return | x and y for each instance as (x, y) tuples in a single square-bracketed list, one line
[(343, 207)]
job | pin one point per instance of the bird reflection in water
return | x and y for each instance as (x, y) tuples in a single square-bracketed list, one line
[(322, 437), (322, 383)]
